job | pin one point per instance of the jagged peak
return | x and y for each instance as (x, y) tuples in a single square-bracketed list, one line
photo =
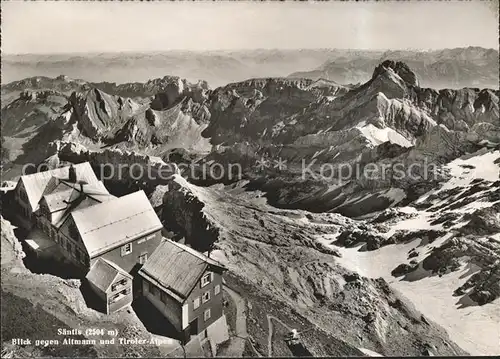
[(399, 68)]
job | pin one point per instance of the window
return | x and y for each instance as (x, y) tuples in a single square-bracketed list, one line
[(217, 289), (118, 284), (163, 297), (143, 257), (77, 254), (207, 314), (126, 249), (207, 278), (119, 296), (196, 303), (68, 246), (206, 297), (153, 290)]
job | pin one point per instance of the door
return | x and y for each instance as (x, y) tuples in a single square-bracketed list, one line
[(193, 327), (143, 257)]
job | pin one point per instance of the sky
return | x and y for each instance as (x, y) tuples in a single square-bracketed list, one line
[(68, 27)]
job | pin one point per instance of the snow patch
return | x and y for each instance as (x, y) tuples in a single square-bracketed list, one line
[(378, 136), (464, 171), (370, 353)]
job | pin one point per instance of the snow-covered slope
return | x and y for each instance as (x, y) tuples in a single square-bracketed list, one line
[(441, 224)]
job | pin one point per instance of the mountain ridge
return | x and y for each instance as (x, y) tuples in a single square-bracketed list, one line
[(447, 68), (380, 260), (223, 67)]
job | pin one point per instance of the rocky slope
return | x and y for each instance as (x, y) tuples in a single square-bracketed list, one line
[(276, 252), (12, 254), (24, 117), (441, 251), (61, 83), (163, 114), (121, 170)]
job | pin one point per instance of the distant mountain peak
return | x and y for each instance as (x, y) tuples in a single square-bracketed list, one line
[(400, 68)]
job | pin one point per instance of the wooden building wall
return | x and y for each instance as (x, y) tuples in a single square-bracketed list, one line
[(145, 244), (171, 309), (215, 303), (21, 198), (113, 306)]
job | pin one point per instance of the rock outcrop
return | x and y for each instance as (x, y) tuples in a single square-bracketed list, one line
[(12, 251), (114, 164), (399, 68)]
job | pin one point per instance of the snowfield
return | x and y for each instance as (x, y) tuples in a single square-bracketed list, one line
[(474, 328), (465, 170), (378, 136)]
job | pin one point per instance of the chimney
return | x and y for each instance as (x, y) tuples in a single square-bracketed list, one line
[(72, 174)]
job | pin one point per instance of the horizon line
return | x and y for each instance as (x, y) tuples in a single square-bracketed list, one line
[(244, 50)]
